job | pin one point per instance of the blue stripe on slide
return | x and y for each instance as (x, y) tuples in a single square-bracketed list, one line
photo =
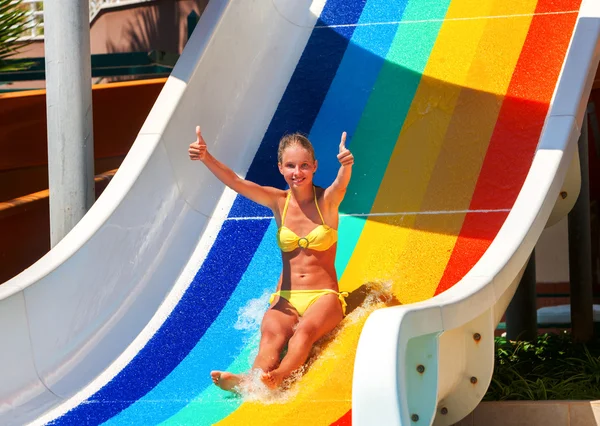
[(223, 267), (195, 312), (218, 347), (348, 96), (341, 12), (353, 83), (304, 96)]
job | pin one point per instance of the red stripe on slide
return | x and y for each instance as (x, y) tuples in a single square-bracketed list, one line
[(547, 6), (523, 112), (476, 235), (345, 420), (515, 136)]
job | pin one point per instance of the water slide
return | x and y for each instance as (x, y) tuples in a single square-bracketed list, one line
[(463, 117)]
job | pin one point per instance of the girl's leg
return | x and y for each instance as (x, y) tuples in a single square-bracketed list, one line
[(276, 329), (318, 320)]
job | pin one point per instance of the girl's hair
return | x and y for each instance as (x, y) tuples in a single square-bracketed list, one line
[(294, 139)]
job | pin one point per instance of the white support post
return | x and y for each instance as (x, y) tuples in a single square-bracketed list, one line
[(69, 113)]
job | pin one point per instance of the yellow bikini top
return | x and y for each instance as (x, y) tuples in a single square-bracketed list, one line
[(319, 239)]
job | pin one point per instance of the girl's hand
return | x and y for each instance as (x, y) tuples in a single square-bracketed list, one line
[(197, 149), (345, 157)]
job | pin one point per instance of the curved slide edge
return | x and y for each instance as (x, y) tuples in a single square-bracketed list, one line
[(76, 317), (439, 352)]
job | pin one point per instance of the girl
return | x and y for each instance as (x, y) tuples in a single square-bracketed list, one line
[(307, 304)]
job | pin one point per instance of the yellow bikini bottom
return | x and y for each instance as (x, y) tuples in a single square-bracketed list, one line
[(303, 299)]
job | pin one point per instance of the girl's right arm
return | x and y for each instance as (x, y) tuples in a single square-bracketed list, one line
[(264, 195)]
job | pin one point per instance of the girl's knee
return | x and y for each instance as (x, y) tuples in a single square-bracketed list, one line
[(273, 335), (306, 334), (268, 336)]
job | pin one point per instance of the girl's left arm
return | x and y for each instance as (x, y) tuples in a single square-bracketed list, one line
[(336, 192)]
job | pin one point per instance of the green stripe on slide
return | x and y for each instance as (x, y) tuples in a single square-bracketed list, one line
[(384, 115)]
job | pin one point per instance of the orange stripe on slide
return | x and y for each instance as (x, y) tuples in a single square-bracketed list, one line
[(345, 420), (516, 134)]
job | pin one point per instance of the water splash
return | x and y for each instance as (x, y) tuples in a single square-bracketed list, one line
[(252, 389), (379, 295), (250, 316)]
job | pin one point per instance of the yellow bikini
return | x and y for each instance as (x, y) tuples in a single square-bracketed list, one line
[(302, 299), (320, 239)]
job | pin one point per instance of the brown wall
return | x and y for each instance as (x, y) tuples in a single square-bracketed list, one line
[(157, 25), (25, 229), (119, 110)]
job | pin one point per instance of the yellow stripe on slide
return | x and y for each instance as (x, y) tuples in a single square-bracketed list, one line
[(457, 169), (377, 255), (323, 395), (429, 246), (454, 178)]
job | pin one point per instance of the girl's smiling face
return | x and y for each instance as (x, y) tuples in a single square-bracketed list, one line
[(297, 166)]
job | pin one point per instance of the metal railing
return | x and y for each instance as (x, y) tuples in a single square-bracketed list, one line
[(97, 5), (36, 16)]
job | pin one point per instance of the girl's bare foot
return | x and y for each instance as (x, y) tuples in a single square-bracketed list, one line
[(272, 379), (226, 381)]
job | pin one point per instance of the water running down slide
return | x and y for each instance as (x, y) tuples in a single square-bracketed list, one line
[(463, 118)]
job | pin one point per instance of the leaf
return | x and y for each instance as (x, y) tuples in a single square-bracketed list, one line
[(552, 367), (15, 21)]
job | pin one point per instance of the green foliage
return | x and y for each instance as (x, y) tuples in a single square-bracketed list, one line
[(551, 368), (14, 22)]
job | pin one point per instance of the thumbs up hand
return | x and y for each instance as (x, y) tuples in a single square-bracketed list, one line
[(345, 157), (197, 150)]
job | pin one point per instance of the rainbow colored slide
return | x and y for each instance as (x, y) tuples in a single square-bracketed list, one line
[(463, 117)]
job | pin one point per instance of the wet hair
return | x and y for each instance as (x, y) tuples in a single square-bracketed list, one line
[(294, 139)]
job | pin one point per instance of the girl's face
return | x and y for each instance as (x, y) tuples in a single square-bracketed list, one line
[(297, 166)]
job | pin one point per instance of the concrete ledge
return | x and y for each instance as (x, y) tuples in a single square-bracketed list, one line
[(21, 204), (534, 413)]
